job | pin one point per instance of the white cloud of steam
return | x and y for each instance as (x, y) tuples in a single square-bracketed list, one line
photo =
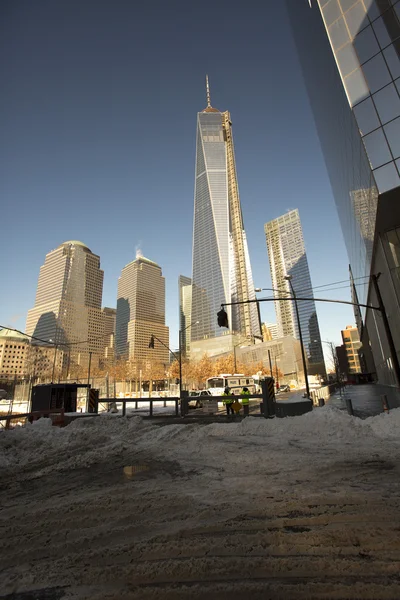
[(138, 250)]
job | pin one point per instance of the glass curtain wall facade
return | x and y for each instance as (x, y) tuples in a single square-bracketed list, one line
[(352, 181), (185, 312), (365, 40), (221, 265), (287, 256), (349, 53)]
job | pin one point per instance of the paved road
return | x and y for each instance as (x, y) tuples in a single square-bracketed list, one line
[(366, 399)]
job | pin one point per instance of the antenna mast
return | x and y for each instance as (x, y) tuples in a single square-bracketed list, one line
[(208, 93)]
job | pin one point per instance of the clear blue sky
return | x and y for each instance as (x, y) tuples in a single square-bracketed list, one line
[(98, 123)]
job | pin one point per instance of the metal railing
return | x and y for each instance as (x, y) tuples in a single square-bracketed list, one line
[(181, 409)]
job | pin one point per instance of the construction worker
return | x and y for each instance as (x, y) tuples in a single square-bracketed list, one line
[(228, 401), (245, 401)]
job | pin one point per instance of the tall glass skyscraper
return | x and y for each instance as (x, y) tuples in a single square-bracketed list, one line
[(349, 52), (185, 311), (287, 256), (221, 264)]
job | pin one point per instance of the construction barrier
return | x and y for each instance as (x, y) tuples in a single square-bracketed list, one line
[(93, 401)]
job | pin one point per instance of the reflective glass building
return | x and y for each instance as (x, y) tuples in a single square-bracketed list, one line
[(287, 256), (185, 312), (365, 39), (349, 54), (221, 265)]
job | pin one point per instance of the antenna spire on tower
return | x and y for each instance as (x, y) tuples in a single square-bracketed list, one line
[(208, 93)]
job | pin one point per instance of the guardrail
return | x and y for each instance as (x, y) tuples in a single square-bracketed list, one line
[(136, 401), (180, 409)]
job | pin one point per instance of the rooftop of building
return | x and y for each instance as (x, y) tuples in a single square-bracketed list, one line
[(6, 333), (210, 109), (75, 243), (143, 259)]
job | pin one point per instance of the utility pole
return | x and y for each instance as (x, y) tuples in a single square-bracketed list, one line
[(180, 364), (276, 371), (270, 362), (90, 364), (54, 363), (392, 349)]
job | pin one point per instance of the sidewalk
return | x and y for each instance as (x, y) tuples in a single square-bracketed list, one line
[(366, 399)]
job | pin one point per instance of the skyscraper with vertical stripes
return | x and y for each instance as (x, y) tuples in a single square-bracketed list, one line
[(221, 264)]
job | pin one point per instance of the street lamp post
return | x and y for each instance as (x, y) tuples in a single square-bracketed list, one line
[(181, 331), (234, 353), (180, 364), (303, 356)]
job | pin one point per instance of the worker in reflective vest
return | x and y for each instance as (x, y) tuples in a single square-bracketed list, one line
[(228, 401), (245, 401)]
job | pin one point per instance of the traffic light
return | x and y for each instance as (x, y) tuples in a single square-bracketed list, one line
[(151, 343), (223, 318)]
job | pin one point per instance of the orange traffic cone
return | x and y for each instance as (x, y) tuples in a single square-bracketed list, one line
[(385, 404)]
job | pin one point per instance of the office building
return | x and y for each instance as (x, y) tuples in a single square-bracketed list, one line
[(185, 312), (342, 363), (141, 313), (287, 257), (352, 344), (14, 349), (353, 48), (68, 302), (221, 264), (282, 353), (109, 324), (21, 359), (269, 331)]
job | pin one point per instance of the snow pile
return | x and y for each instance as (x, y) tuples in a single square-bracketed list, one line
[(385, 425), (325, 423), (80, 444), (88, 440)]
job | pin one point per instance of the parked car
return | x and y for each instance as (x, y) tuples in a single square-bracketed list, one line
[(284, 388), (197, 397)]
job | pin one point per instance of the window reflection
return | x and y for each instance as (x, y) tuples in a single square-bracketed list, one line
[(338, 33), (392, 59), (377, 148), (356, 19), (346, 4), (381, 33), (387, 103), (392, 131), (387, 177), (372, 9), (376, 73), (331, 12), (347, 59), (366, 116), (356, 87), (366, 45)]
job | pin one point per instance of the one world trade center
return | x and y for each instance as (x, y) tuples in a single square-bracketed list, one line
[(221, 263)]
